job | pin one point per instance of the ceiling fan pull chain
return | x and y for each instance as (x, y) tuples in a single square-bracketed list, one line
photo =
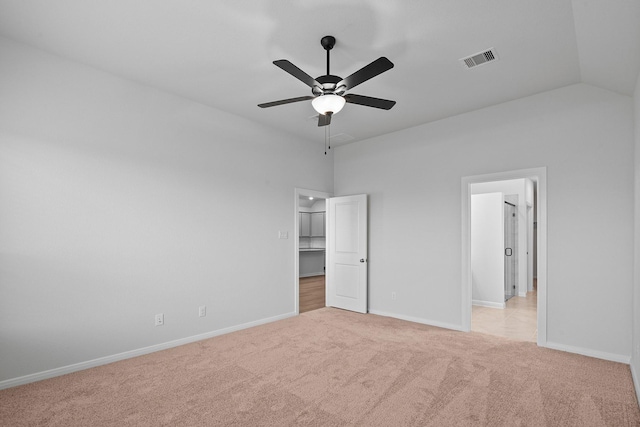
[(325, 140)]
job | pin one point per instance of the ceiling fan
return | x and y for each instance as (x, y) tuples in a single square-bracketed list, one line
[(329, 91)]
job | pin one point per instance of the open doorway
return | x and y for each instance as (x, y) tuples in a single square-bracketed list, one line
[(504, 303), (534, 227), (310, 249)]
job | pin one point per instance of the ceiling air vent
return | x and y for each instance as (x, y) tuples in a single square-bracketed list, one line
[(341, 138), (480, 58)]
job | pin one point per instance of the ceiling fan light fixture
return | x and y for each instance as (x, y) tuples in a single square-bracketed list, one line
[(329, 91), (329, 103)]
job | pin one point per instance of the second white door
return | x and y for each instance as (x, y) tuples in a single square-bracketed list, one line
[(347, 253)]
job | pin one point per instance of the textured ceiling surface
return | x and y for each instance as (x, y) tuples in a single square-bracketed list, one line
[(220, 53)]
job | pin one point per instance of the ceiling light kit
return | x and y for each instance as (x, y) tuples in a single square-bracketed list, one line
[(328, 91)]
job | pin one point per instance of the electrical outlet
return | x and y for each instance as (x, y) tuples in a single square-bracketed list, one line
[(159, 319), (393, 296), (202, 311)]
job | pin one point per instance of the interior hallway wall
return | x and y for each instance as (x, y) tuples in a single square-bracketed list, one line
[(487, 249), (582, 134), (120, 201), (516, 187)]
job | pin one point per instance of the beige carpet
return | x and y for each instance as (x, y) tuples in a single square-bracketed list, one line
[(331, 367)]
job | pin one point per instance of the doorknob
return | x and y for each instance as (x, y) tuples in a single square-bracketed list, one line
[(361, 259)]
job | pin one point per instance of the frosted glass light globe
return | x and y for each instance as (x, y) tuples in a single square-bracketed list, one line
[(324, 104)]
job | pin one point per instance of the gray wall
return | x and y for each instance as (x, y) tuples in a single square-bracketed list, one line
[(582, 134), (119, 201)]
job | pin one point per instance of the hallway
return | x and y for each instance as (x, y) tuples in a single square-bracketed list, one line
[(518, 321)]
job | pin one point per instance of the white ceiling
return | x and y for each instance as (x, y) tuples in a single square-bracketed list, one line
[(220, 53)]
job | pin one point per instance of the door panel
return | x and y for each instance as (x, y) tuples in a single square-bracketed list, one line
[(305, 224), (347, 253), (509, 251), (346, 236), (347, 278), (317, 224)]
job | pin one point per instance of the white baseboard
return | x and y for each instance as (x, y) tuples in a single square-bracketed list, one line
[(555, 346), (613, 357), (523, 295), (38, 376), (488, 304), (320, 273), (418, 320)]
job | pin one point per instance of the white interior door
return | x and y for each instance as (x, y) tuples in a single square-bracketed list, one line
[(347, 253), (510, 253)]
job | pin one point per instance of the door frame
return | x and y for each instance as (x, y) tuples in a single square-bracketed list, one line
[(296, 238), (539, 175)]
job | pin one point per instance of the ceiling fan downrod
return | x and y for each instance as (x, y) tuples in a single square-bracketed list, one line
[(328, 42)]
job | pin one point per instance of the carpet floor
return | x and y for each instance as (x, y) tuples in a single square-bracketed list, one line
[(330, 367)]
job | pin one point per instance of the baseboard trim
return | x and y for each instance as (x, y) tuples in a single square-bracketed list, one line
[(312, 274), (39, 376), (613, 357), (490, 304), (555, 346), (418, 320)]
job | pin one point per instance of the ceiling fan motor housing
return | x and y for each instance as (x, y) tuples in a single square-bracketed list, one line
[(328, 83)]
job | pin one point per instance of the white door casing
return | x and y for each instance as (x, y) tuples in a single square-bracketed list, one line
[(347, 253)]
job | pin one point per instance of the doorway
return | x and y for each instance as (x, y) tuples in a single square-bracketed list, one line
[(538, 177), (310, 249)]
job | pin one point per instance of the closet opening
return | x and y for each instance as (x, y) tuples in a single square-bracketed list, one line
[(311, 244)]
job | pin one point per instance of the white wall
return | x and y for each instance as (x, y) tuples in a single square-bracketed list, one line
[(320, 206), (120, 201), (635, 361), (516, 187), (582, 134), (487, 249)]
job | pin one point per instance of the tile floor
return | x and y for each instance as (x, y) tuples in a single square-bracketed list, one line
[(517, 321)]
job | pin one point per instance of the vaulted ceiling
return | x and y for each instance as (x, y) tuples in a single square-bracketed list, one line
[(220, 53)]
